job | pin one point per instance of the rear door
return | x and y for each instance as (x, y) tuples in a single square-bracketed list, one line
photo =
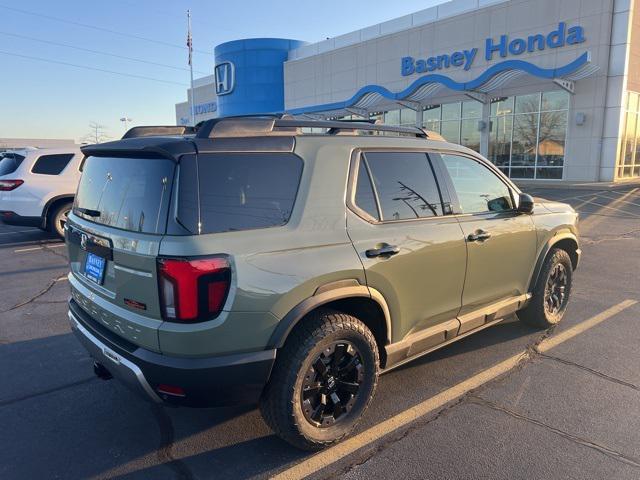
[(501, 243), (119, 218), (412, 250)]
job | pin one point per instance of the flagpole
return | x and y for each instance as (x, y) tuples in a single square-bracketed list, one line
[(190, 45)]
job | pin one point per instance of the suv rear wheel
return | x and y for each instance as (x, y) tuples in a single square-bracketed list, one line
[(58, 218), (323, 380), (551, 292)]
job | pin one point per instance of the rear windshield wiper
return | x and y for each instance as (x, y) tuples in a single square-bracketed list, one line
[(88, 211)]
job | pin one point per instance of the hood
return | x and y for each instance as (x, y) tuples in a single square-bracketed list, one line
[(552, 205)]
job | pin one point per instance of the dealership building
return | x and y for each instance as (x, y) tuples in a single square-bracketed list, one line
[(548, 90)]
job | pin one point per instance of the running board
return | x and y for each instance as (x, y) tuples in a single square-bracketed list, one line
[(434, 338)]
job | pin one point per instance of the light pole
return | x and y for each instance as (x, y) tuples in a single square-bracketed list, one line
[(126, 120)]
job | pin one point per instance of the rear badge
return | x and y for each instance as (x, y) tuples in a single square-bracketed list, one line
[(133, 304), (111, 355)]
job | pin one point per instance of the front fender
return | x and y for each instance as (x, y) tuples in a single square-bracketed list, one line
[(566, 238)]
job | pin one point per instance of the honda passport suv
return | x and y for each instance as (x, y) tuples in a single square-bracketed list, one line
[(290, 262)]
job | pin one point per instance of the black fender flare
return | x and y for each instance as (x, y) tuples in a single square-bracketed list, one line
[(51, 201), (323, 295), (558, 237)]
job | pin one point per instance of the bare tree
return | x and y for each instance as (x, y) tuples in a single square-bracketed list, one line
[(97, 134)]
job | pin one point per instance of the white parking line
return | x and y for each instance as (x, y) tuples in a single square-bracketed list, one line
[(22, 250), (624, 201), (333, 454), (21, 231)]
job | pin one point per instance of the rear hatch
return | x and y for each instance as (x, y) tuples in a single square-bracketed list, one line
[(113, 236)]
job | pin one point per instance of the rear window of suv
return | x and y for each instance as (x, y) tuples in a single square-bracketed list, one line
[(9, 163), (239, 191), (126, 193)]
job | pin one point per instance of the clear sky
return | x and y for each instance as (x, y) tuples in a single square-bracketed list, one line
[(40, 99)]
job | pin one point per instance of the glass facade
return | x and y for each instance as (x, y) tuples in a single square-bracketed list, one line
[(457, 122), (527, 135), (629, 158)]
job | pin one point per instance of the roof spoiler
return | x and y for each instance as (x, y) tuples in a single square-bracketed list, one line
[(159, 130)]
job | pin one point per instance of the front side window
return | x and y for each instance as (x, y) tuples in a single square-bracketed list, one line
[(405, 185), (479, 190), (51, 164)]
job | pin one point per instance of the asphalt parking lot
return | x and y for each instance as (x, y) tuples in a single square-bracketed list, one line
[(510, 402)]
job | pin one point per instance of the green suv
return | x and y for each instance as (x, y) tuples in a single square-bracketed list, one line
[(290, 262)]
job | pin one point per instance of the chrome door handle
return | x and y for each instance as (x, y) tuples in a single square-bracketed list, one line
[(386, 251), (478, 236)]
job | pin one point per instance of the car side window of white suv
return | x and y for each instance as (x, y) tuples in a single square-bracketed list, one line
[(51, 164)]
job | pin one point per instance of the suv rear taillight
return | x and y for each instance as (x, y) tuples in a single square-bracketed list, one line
[(193, 290), (8, 185)]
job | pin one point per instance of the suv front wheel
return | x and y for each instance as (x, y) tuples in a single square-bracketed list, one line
[(323, 380), (551, 292)]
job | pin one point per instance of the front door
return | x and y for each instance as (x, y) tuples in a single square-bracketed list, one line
[(501, 243), (412, 249)]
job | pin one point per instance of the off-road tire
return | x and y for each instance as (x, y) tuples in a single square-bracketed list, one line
[(57, 217), (281, 403), (536, 314)]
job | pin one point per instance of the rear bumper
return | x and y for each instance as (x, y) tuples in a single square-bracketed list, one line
[(12, 218), (207, 382)]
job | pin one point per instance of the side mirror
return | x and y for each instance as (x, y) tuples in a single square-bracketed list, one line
[(525, 203)]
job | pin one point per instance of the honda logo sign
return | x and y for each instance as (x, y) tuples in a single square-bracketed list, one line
[(225, 78)]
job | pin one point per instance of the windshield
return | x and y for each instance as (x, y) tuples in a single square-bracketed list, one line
[(126, 193)]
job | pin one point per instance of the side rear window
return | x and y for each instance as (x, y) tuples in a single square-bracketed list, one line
[(244, 191), (51, 164), (405, 184), (365, 198)]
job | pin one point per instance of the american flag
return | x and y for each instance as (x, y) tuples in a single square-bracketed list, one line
[(189, 41)]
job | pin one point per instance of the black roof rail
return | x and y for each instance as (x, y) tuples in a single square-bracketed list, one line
[(158, 130), (248, 126)]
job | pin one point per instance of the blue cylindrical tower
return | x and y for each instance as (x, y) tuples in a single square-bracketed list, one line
[(249, 75)]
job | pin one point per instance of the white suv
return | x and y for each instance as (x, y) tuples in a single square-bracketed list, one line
[(37, 187)]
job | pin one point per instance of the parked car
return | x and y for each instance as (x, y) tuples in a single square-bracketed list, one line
[(37, 187), (255, 263)]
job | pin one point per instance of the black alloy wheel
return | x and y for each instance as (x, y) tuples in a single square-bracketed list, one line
[(555, 289), (331, 384)]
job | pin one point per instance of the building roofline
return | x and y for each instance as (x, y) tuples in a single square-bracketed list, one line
[(433, 14)]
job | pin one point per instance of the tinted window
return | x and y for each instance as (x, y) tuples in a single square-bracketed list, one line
[(365, 199), (51, 164), (405, 185), (478, 188), (247, 191), (10, 163), (127, 193)]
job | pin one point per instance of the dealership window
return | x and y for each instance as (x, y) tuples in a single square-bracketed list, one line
[(404, 117), (629, 158), (457, 122), (528, 134)]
